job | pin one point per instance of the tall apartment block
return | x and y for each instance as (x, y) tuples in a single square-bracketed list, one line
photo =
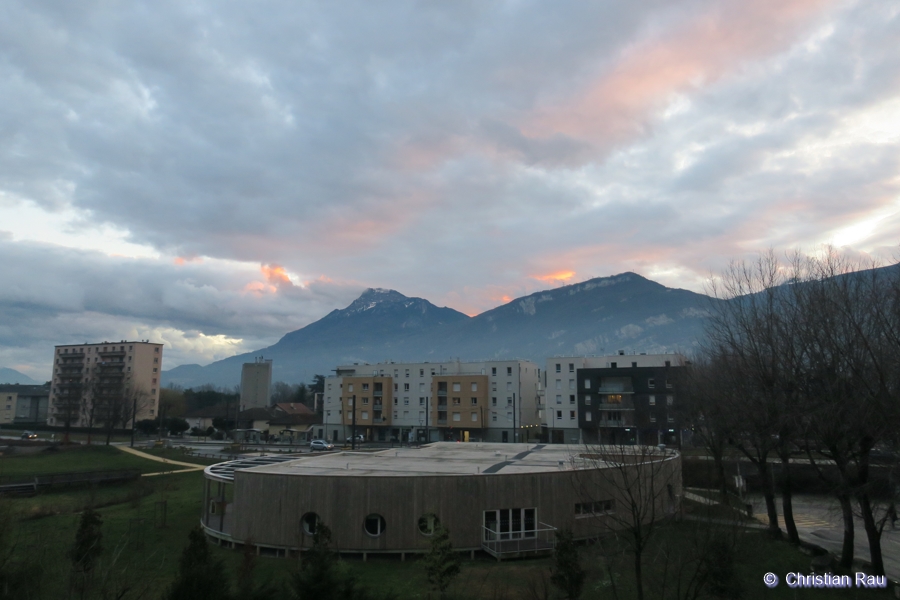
[(491, 401), (256, 383), (614, 399), (95, 382)]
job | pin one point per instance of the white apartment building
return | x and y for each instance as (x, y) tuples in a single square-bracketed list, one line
[(492, 401), (92, 382)]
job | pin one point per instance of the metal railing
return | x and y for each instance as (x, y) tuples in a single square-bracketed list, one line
[(515, 543)]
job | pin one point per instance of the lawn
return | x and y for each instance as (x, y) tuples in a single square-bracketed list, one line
[(67, 459)]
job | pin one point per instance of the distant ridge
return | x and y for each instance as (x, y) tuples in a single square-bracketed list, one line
[(606, 314), (13, 376)]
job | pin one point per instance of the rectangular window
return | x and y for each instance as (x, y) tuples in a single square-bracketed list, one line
[(422, 415), (349, 387), (571, 367), (405, 400), (456, 387), (559, 415), (508, 386), (571, 384), (587, 384), (509, 370), (571, 398), (421, 401), (365, 399), (593, 509), (154, 369), (587, 416), (474, 387), (365, 387), (474, 401), (421, 387), (494, 417), (652, 400), (509, 400), (456, 416), (613, 365), (364, 415), (651, 383), (558, 367), (652, 419), (587, 399), (493, 370), (668, 384), (559, 384), (407, 372), (396, 387), (494, 401), (395, 414), (396, 401), (474, 416), (509, 416), (670, 400), (558, 399), (421, 372), (571, 415)]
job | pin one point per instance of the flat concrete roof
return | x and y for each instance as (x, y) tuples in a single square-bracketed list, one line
[(440, 458)]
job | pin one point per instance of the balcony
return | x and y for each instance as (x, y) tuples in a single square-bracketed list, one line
[(379, 420), (442, 421), (113, 353), (377, 394)]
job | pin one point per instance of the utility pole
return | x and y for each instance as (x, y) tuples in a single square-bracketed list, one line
[(353, 422)]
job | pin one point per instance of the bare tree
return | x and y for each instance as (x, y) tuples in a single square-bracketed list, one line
[(630, 490)]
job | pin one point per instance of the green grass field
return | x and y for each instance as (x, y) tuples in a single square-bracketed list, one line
[(145, 527)]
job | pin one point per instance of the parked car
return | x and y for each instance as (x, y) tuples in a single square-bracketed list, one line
[(320, 445), (359, 438), (29, 435)]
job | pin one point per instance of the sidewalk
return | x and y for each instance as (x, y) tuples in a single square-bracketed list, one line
[(191, 466)]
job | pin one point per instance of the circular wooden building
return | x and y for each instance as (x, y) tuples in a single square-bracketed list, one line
[(504, 499)]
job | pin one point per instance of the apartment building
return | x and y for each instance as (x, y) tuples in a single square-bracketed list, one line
[(95, 382), (613, 399), (492, 401), (25, 404), (256, 383)]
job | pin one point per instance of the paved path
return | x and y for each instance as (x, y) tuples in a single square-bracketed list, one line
[(819, 521), (191, 466)]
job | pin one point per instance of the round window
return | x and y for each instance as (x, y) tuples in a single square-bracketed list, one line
[(428, 523), (374, 525), (310, 523)]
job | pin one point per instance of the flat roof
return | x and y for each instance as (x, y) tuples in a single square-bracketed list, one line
[(440, 458)]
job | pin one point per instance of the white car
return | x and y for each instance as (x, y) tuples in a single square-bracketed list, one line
[(320, 445), (360, 438)]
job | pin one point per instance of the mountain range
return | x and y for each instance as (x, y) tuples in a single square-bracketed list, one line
[(603, 315), (13, 376)]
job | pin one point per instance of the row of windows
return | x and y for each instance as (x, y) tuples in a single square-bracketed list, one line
[(616, 399), (651, 383), (374, 524), (97, 349), (473, 401)]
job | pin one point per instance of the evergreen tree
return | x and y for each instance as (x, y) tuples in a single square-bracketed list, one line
[(199, 576), (566, 573), (87, 547), (442, 564)]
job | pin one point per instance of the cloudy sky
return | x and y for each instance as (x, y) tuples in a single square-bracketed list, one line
[(214, 174)]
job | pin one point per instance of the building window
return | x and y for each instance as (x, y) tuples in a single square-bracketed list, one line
[(571, 367), (559, 384), (456, 400), (474, 417), (508, 386), (494, 401), (670, 400), (365, 415), (365, 399), (474, 401), (395, 414), (310, 523), (668, 363), (493, 370), (365, 387), (405, 387), (614, 398), (428, 523), (421, 372), (421, 401), (509, 400), (587, 399), (571, 384), (651, 383), (668, 384), (592, 509), (422, 415), (559, 415), (652, 400), (407, 372), (421, 387), (155, 361), (633, 365), (509, 416), (156, 350), (456, 387), (494, 417), (405, 400), (559, 399), (456, 417), (587, 416), (154, 369), (571, 415), (349, 387), (153, 391), (396, 401), (587, 384), (652, 419), (509, 370), (474, 387), (613, 365), (374, 525), (571, 398), (558, 367)]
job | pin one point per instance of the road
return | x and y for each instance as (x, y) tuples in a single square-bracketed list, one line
[(819, 522)]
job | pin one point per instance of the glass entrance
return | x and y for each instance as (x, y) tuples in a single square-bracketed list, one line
[(509, 524)]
